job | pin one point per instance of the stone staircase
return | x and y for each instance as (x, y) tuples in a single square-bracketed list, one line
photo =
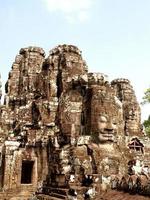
[(53, 193), (47, 197)]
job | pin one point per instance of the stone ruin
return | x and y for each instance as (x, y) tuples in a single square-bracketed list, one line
[(66, 133)]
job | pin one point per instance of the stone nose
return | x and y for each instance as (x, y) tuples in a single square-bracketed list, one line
[(109, 127)]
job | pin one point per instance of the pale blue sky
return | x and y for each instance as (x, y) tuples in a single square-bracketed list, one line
[(114, 35)]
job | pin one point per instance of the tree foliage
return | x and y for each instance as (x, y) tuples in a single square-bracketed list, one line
[(146, 123), (146, 98)]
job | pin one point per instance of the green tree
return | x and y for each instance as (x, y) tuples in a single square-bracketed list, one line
[(146, 98), (146, 123)]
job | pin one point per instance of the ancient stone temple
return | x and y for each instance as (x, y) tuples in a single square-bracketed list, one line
[(66, 133)]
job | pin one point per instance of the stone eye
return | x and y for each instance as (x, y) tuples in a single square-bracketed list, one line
[(103, 119)]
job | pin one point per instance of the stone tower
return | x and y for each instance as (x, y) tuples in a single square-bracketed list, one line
[(131, 108)]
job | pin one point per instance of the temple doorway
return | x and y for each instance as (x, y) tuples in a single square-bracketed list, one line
[(26, 172)]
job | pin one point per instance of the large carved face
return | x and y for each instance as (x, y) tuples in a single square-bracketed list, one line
[(107, 128), (70, 109), (106, 116)]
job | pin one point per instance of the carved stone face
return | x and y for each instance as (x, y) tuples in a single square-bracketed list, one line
[(106, 117), (107, 128)]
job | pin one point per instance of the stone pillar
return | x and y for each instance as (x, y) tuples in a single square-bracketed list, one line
[(11, 173)]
